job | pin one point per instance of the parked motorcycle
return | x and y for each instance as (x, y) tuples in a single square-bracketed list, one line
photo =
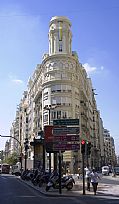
[(44, 179), (66, 182), (29, 175), (36, 178), (24, 174)]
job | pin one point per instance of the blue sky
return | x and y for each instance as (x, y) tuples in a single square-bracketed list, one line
[(24, 28)]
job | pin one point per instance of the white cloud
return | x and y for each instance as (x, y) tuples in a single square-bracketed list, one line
[(17, 81), (89, 68), (92, 69)]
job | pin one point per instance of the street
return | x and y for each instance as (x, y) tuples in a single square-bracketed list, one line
[(110, 180), (14, 191)]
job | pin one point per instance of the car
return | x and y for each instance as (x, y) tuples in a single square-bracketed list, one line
[(116, 170), (16, 170), (105, 170)]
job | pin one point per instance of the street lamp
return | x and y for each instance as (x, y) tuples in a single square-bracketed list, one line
[(26, 149), (19, 144)]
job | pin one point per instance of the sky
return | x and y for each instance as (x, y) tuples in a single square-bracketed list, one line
[(24, 26)]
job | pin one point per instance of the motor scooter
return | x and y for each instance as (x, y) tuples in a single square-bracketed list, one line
[(44, 179), (66, 182)]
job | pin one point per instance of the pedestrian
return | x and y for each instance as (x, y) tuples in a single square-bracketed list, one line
[(79, 172), (94, 180), (87, 176), (113, 172)]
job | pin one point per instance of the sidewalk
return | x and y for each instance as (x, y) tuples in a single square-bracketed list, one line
[(103, 189)]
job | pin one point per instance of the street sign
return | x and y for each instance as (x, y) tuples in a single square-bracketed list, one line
[(56, 147), (48, 133), (65, 130), (65, 147), (66, 122), (66, 138), (61, 138)]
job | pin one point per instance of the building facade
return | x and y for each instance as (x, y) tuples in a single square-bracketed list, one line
[(61, 89)]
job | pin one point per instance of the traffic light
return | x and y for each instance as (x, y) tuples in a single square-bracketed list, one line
[(88, 148), (83, 144)]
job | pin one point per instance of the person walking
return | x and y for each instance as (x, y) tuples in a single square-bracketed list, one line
[(87, 176), (94, 180)]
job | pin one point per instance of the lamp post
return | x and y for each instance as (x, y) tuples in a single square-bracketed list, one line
[(26, 149), (19, 144)]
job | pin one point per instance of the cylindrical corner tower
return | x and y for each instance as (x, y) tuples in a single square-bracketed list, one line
[(60, 36)]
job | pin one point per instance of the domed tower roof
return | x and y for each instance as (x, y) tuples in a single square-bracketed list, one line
[(60, 36)]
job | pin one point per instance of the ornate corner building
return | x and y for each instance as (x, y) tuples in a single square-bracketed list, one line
[(61, 89)]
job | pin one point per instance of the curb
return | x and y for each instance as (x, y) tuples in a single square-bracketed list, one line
[(47, 194), (103, 190)]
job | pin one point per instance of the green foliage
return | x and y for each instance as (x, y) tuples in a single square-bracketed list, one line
[(12, 159), (1, 155)]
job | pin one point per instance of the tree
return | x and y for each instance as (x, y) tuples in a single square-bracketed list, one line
[(1, 155), (12, 159)]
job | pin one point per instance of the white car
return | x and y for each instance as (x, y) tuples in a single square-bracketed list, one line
[(105, 170), (16, 170)]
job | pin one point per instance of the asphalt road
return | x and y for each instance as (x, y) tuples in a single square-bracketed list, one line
[(110, 180), (13, 191)]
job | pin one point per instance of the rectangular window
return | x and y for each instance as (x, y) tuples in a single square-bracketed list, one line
[(58, 87), (60, 47), (58, 114), (26, 119), (53, 88), (60, 30), (45, 118), (64, 114), (53, 115)]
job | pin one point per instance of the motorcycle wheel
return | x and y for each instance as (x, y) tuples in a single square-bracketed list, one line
[(34, 182), (47, 188), (69, 186), (23, 178), (41, 183)]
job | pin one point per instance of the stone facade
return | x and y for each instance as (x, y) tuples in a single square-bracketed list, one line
[(61, 89)]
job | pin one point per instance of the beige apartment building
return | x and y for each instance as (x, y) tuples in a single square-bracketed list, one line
[(60, 86), (109, 148), (61, 89)]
